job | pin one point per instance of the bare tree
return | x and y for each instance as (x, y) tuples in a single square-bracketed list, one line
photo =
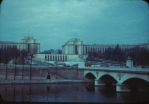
[(31, 56), (16, 54), (24, 54)]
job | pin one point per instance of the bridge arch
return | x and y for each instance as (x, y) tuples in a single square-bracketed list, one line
[(93, 73), (133, 80), (136, 84), (90, 75), (110, 75), (108, 79), (124, 79), (107, 76)]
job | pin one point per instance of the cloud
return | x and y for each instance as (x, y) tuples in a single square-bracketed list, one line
[(56, 21)]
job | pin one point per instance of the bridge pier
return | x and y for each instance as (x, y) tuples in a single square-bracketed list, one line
[(99, 82), (122, 88), (96, 89)]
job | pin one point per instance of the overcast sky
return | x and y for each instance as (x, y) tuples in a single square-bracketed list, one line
[(53, 22)]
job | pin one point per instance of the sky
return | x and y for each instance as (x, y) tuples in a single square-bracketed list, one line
[(53, 22)]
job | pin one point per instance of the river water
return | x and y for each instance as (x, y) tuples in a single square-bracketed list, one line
[(80, 92)]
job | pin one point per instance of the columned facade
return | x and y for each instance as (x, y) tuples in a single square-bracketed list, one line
[(72, 49), (55, 57)]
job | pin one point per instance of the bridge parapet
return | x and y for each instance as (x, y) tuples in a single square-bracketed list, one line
[(131, 70)]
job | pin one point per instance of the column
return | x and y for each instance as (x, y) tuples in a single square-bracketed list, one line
[(71, 49), (96, 89), (53, 57), (73, 52), (66, 49), (62, 58), (79, 49), (66, 57), (63, 50)]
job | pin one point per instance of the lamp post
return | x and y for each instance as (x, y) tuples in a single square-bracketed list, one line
[(56, 69), (15, 69), (23, 67), (6, 71), (31, 56), (6, 61)]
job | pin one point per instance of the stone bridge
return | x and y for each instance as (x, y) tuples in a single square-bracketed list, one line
[(123, 78)]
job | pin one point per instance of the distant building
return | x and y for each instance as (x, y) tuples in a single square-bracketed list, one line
[(58, 51), (52, 51), (27, 43), (76, 46), (129, 62), (75, 49)]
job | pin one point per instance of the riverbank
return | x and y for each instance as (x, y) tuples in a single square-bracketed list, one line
[(39, 81), (42, 73)]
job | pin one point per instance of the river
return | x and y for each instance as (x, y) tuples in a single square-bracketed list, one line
[(78, 92)]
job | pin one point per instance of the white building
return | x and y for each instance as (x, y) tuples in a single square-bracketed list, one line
[(74, 49), (27, 43), (129, 63), (76, 46)]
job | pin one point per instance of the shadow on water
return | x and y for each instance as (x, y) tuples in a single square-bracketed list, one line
[(90, 87), (107, 90), (134, 97), (48, 89), (1, 100)]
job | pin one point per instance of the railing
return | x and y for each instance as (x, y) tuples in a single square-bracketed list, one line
[(144, 70)]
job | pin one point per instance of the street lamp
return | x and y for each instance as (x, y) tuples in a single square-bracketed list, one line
[(31, 56), (6, 71), (23, 66)]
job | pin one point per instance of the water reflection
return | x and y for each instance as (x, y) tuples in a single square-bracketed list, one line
[(90, 87), (86, 92)]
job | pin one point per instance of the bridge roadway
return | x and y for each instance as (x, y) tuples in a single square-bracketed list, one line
[(120, 75)]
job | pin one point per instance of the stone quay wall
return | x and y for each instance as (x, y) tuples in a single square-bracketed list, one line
[(41, 73)]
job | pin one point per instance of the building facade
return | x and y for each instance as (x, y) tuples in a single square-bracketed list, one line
[(74, 49), (76, 46), (27, 43)]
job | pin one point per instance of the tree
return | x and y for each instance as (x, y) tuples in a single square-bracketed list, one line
[(118, 54), (24, 55), (0, 55), (15, 56), (140, 55), (31, 56), (6, 59), (108, 54)]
